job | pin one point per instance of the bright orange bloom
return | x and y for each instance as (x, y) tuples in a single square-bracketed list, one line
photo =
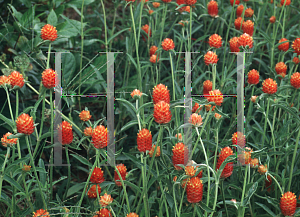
[(161, 93), (65, 133), (16, 79), (210, 58), (184, 182), (41, 212), (103, 213), (215, 41), (194, 190), (207, 86), (215, 96), (154, 59), (283, 46), (88, 131), (207, 107), (85, 115), (228, 169), (288, 203), (25, 124), (262, 169), (100, 137), (49, 78), (26, 168), (180, 2), (295, 60), (196, 107), (152, 151), (238, 22), (146, 28), (92, 193), (190, 2), (269, 86), (254, 163), (272, 19), (152, 50), (144, 140), (234, 45), (212, 8), (253, 77), (166, 1), (180, 151), (97, 176), (122, 170), (239, 10), (105, 200), (296, 46), (156, 4), (245, 40), (49, 32), (168, 44), (245, 157), (239, 139), (295, 80), (281, 69), (200, 174), (218, 116), (196, 120), (8, 142), (253, 99), (151, 11), (132, 214), (136, 94), (4, 80), (249, 12), (190, 171), (248, 27), (268, 183), (179, 136), (162, 113), (130, 0), (287, 2), (237, 2)]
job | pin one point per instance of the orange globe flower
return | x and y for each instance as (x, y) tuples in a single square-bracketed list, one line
[(272, 19), (215, 96), (253, 77), (151, 152), (269, 86), (249, 12), (49, 78), (85, 115), (284, 46), (132, 214), (161, 93), (168, 44), (215, 41), (281, 69), (166, 1), (210, 58), (88, 131), (218, 116), (228, 169), (100, 137), (238, 23), (254, 163), (196, 120), (239, 10), (103, 213), (147, 30), (268, 183), (238, 138), (179, 137), (25, 124), (288, 203), (8, 142), (253, 99), (212, 8), (196, 107), (190, 2), (248, 27), (295, 80), (287, 2), (16, 79), (295, 60), (49, 32), (65, 133), (41, 212), (156, 4), (233, 44), (180, 152), (162, 113), (150, 12), (245, 40), (154, 59), (144, 140), (26, 168), (237, 2), (152, 50), (262, 169), (92, 193), (97, 176), (296, 46), (122, 170), (194, 190), (130, 0), (136, 94), (105, 200), (207, 107), (207, 86), (4, 80)]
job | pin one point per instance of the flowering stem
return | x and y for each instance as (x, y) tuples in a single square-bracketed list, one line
[(48, 58), (137, 114), (214, 76), (3, 166), (162, 192), (293, 160), (265, 126), (174, 197), (105, 28), (69, 172), (277, 183), (174, 96), (34, 170), (194, 213), (10, 110), (223, 196), (250, 106), (243, 192), (17, 104), (145, 185), (81, 50), (180, 205), (216, 151), (124, 188), (27, 194)]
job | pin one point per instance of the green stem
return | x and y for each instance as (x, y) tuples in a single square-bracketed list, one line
[(48, 58), (17, 104), (216, 151), (214, 76), (105, 27), (265, 126), (174, 196), (162, 192), (69, 172), (194, 213), (51, 140), (145, 185), (3, 167), (223, 196), (81, 52), (250, 106), (10, 110), (27, 194), (244, 189), (35, 173), (173, 81), (124, 188), (180, 205), (276, 183)]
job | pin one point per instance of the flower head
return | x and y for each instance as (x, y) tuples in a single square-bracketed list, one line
[(26, 168), (215, 41), (151, 152), (49, 78), (196, 108), (295, 60), (16, 79), (296, 46), (254, 163), (210, 58), (49, 32), (161, 93), (179, 137), (100, 137), (218, 116), (253, 99), (238, 23), (212, 8), (196, 120), (65, 133), (262, 169), (238, 138), (4, 80), (122, 170), (287, 2), (288, 203), (92, 193), (239, 10), (85, 115), (180, 152), (88, 131), (284, 46), (144, 140), (207, 86), (228, 169), (295, 80), (154, 59), (132, 214), (245, 40), (136, 94), (234, 45), (103, 213), (253, 77), (156, 4), (269, 86), (190, 2), (272, 19), (194, 190), (153, 49), (168, 44), (249, 12), (25, 124), (237, 2), (215, 96), (248, 27), (8, 142), (281, 69), (105, 200), (41, 212), (97, 176), (162, 113)]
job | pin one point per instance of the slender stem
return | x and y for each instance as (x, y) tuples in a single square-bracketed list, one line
[(48, 58), (145, 186), (250, 106), (194, 213), (223, 196), (174, 196), (113, 26), (51, 140), (180, 205), (276, 183), (214, 76), (216, 151), (137, 114), (174, 92), (81, 53), (162, 192), (105, 27), (124, 188), (265, 126), (17, 104), (69, 172), (3, 167), (9, 105), (244, 189), (26, 192), (35, 173)]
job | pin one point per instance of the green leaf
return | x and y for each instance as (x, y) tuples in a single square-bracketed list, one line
[(42, 173), (75, 189), (249, 194), (82, 160), (128, 125), (144, 105), (288, 109), (229, 159), (68, 66), (132, 60), (127, 103), (7, 121), (115, 35), (132, 186), (28, 17), (15, 13), (13, 182), (52, 18), (205, 208), (266, 209), (18, 135), (133, 159), (70, 28)]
